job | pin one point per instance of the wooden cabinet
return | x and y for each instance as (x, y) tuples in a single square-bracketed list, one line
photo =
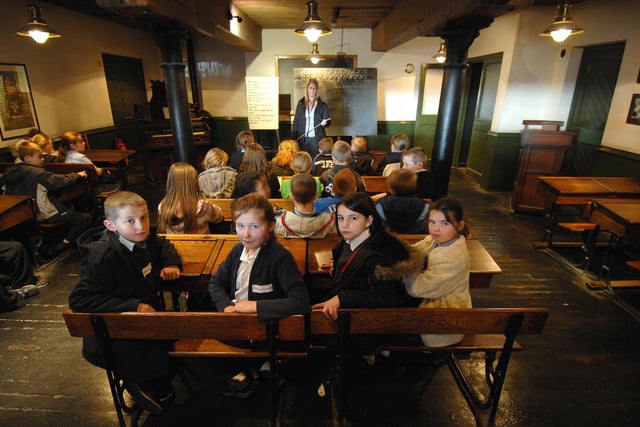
[(543, 148)]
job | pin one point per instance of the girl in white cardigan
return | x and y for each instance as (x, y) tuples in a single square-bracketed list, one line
[(445, 281)]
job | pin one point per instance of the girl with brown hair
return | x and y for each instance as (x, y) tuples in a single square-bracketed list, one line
[(182, 210)]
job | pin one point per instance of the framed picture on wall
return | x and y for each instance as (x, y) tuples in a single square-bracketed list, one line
[(634, 110), (17, 112)]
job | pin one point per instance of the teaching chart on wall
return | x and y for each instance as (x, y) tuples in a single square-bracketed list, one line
[(262, 100), (350, 93)]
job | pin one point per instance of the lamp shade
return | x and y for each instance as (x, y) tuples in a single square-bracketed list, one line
[(315, 56), (312, 28), (37, 27), (563, 25), (441, 55)]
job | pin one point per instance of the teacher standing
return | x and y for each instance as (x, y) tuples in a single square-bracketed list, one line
[(312, 117)]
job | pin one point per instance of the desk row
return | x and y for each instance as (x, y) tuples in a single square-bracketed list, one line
[(202, 254)]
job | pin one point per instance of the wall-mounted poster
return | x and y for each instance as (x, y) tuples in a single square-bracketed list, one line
[(262, 99), (350, 93), (634, 110), (17, 112)]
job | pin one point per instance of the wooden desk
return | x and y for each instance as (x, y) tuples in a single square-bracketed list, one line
[(620, 217), (375, 184), (567, 190), (225, 205), (117, 159), (15, 210), (202, 255), (483, 266), (571, 190)]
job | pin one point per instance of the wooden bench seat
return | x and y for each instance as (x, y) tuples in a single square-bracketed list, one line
[(633, 264), (488, 330), (198, 335), (577, 226)]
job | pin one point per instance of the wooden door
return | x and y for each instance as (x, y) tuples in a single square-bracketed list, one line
[(127, 96)]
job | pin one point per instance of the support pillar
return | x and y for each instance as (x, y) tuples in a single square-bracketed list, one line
[(170, 44), (458, 36)]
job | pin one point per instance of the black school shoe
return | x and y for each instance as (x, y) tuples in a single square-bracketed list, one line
[(27, 291), (239, 387)]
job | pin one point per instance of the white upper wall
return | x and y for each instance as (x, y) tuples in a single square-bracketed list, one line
[(66, 75), (397, 90), (538, 83)]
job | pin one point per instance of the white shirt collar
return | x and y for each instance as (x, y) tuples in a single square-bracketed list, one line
[(127, 243), (244, 256), (354, 243)]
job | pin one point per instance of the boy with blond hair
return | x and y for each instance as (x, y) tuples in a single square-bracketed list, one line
[(362, 161), (29, 178), (415, 159), (121, 267), (399, 144)]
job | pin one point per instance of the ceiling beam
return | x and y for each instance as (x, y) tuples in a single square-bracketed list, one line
[(426, 18), (206, 17)]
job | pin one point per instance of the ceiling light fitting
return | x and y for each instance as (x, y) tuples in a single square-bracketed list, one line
[(231, 17), (312, 28), (37, 27), (441, 55), (563, 25), (315, 56)]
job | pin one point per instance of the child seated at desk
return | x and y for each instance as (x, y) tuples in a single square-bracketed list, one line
[(301, 163), (71, 150), (258, 276), (415, 159), (119, 272), (341, 155), (343, 183), (399, 143), (444, 283), (304, 221), (401, 209), (323, 161), (29, 178), (182, 210), (218, 179)]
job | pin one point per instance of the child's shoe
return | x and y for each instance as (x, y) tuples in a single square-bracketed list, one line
[(239, 386), (143, 399)]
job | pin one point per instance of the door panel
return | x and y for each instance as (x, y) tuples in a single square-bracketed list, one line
[(127, 96)]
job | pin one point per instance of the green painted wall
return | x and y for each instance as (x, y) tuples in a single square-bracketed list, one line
[(493, 159)]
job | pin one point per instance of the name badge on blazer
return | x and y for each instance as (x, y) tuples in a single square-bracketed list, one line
[(262, 289), (146, 270)]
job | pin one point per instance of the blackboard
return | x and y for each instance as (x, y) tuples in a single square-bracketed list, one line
[(350, 93), (286, 64), (342, 104)]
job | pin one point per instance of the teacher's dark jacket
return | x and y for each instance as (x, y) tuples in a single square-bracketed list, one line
[(299, 121)]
